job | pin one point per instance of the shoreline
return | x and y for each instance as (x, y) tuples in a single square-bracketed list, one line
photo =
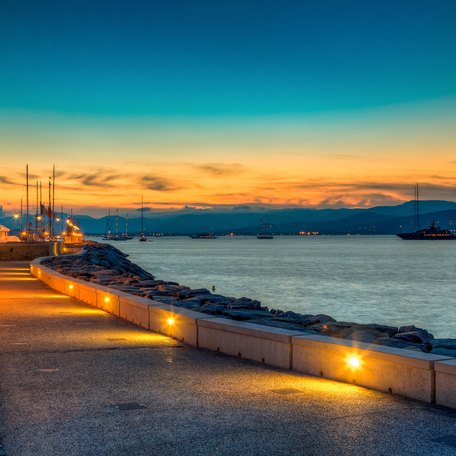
[(103, 264)]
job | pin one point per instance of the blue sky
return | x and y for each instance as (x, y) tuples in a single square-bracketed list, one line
[(224, 58)]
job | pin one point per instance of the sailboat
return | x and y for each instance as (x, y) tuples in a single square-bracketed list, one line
[(142, 237), (125, 235), (265, 230), (433, 233), (117, 237), (107, 236)]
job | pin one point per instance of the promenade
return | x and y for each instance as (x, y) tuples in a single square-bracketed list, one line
[(75, 380)]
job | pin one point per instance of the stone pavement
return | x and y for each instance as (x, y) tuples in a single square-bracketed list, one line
[(77, 381)]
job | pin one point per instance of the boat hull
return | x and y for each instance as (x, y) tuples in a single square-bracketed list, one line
[(420, 237)]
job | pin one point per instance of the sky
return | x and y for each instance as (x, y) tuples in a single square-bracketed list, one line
[(328, 103)]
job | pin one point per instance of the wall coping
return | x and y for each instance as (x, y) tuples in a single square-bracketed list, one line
[(250, 329), (447, 367)]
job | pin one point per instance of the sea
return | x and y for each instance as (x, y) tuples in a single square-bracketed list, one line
[(364, 279)]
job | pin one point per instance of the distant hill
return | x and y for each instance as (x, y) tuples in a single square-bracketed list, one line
[(375, 220)]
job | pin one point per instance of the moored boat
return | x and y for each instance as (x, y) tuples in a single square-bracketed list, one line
[(265, 230), (433, 233), (203, 236)]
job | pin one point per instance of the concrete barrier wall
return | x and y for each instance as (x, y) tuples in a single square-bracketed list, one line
[(417, 375), (264, 344), (176, 322), (398, 371), (18, 251), (135, 309), (445, 383)]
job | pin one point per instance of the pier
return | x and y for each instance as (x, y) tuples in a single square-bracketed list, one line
[(76, 380)]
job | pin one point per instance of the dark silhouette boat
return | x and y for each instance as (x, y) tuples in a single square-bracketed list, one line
[(265, 230), (142, 236), (433, 233), (203, 236)]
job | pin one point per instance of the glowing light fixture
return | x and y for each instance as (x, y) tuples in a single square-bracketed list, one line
[(170, 321), (71, 286), (106, 299), (354, 361)]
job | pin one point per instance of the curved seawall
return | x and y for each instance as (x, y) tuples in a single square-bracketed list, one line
[(427, 377)]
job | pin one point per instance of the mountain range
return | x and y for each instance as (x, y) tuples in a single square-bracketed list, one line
[(375, 220)]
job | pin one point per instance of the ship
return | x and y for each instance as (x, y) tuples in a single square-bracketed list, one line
[(203, 236), (265, 230), (118, 236), (142, 236), (432, 233)]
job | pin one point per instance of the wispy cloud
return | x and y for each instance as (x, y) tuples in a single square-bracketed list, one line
[(7, 181), (221, 169), (158, 184), (100, 178)]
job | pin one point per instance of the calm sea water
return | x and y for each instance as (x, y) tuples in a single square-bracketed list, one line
[(368, 279)]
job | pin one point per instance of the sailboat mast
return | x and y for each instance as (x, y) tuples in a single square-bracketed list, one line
[(126, 227), (49, 208), (21, 218), (53, 203), (117, 223), (41, 209), (108, 230), (417, 206), (37, 209), (142, 215), (27, 227)]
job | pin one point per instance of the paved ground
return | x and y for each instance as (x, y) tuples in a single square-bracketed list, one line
[(77, 381)]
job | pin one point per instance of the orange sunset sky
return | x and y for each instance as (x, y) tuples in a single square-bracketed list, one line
[(214, 106)]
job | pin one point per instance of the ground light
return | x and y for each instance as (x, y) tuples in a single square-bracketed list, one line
[(354, 361)]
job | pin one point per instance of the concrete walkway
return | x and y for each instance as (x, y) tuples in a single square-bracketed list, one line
[(77, 381)]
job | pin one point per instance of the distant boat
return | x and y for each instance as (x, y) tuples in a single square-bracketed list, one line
[(203, 236), (118, 237), (142, 237), (107, 236), (433, 233), (265, 230)]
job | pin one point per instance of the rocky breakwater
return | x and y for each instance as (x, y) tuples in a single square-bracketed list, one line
[(105, 265)]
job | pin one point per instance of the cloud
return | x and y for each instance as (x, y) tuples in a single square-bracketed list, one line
[(221, 169), (158, 184), (364, 201), (345, 156), (7, 181), (101, 178)]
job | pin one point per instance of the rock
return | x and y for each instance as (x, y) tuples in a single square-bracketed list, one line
[(213, 309), (424, 334), (246, 314), (192, 301), (365, 335), (411, 336), (192, 293)]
